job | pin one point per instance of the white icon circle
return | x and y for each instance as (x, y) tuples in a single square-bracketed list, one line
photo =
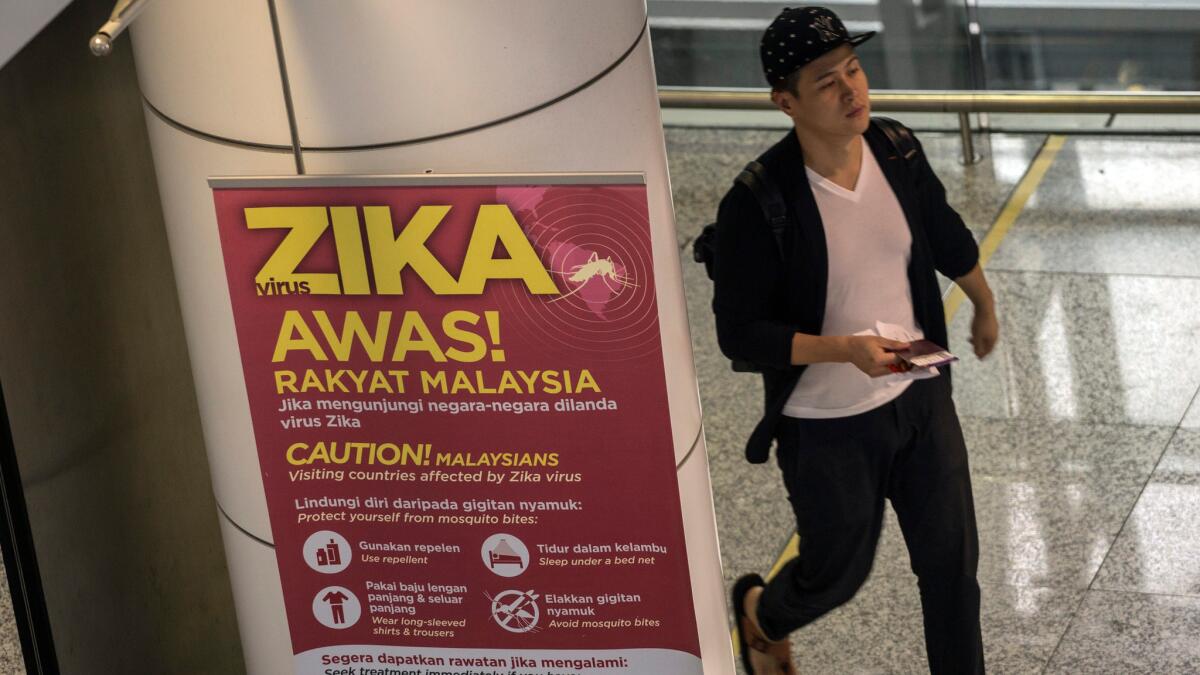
[(505, 555), (516, 611), (327, 551), (336, 607)]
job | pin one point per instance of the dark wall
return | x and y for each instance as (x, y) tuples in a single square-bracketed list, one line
[(95, 370)]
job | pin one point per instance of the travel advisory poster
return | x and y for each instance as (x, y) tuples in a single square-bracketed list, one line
[(460, 411)]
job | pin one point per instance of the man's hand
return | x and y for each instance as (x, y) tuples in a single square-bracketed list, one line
[(873, 355), (985, 330)]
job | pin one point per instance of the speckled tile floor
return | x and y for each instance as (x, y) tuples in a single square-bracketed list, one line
[(11, 662), (1083, 427)]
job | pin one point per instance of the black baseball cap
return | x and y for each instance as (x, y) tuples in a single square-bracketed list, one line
[(798, 36)]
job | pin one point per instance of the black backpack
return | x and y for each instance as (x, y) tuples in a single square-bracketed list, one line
[(774, 209)]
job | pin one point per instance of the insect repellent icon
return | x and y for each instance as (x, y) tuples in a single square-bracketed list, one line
[(327, 552), (596, 267)]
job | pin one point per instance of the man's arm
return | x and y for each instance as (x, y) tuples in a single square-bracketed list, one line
[(985, 328), (870, 354), (749, 285), (956, 255), (955, 252), (748, 282)]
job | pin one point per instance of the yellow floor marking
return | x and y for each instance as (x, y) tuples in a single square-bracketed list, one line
[(790, 551), (1008, 215), (1010, 212)]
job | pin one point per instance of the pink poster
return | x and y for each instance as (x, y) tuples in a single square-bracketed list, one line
[(460, 412)]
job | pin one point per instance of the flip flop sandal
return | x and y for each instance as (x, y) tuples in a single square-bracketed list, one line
[(745, 643)]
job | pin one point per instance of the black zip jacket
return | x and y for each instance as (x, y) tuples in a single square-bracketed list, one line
[(761, 300)]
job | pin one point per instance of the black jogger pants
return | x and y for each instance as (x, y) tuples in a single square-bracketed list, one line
[(838, 472)]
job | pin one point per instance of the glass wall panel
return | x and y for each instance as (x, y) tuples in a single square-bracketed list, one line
[(1044, 45), (1091, 45), (974, 45), (714, 43)]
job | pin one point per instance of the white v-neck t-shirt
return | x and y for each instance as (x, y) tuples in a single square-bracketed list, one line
[(869, 246)]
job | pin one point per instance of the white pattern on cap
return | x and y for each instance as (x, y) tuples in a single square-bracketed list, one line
[(822, 31)]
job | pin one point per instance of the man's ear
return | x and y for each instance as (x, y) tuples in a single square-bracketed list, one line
[(783, 100)]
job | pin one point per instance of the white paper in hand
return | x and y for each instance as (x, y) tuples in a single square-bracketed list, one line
[(892, 331)]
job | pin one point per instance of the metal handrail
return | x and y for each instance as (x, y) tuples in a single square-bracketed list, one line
[(961, 102), (121, 18), (894, 100)]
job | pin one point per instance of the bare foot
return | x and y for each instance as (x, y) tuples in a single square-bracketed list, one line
[(766, 657)]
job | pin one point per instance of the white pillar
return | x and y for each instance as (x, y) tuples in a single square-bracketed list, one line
[(366, 80)]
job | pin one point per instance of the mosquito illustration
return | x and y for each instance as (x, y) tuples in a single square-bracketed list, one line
[(596, 267)]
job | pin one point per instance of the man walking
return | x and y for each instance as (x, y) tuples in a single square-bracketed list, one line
[(867, 229)]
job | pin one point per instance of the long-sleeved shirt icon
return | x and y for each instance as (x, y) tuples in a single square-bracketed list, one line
[(335, 599)]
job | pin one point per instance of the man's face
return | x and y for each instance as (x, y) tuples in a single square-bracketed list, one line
[(831, 95)]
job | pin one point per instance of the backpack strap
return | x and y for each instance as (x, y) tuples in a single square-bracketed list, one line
[(774, 209), (901, 139)]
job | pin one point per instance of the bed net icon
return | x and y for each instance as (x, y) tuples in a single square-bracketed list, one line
[(504, 554)]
